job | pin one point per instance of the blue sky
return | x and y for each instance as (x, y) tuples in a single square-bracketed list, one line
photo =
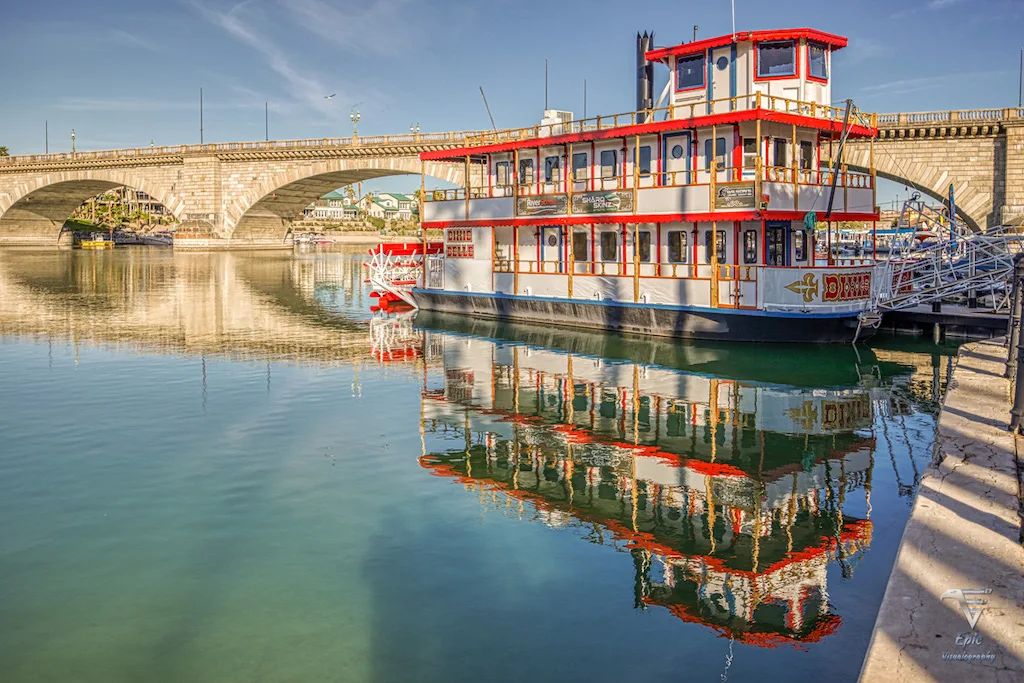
[(125, 73)]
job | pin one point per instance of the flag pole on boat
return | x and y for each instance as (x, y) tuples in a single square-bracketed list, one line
[(734, 20), (488, 108)]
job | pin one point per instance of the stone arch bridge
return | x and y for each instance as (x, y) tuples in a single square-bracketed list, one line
[(246, 194), (238, 194), (979, 151)]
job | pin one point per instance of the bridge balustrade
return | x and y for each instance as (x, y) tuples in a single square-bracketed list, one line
[(477, 137)]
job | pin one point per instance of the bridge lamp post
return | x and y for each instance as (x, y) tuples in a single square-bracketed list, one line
[(72, 142), (415, 130), (355, 116)]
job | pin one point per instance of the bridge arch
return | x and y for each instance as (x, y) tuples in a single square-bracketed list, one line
[(37, 209), (929, 165), (266, 209)]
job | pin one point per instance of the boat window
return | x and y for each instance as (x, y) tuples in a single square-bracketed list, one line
[(579, 166), (677, 246), (750, 246), (690, 72), (609, 246), (817, 62), (749, 152), (526, 171), (776, 59), (645, 160), (719, 153), (781, 159), (799, 245), (719, 246), (551, 167), (501, 173), (608, 165), (579, 247), (644, 245), (806, 155)]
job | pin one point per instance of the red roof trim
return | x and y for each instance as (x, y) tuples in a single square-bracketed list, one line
[(833, 41), (828, 125), (650, 218)]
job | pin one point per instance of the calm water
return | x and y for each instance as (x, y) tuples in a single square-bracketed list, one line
[(216, 468)]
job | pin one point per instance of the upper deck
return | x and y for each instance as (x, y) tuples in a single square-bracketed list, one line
[(742, 130), (781, 76)]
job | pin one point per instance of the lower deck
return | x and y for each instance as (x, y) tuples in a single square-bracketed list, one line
[(743, 266)]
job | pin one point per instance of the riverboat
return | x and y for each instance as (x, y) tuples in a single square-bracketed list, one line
[(692, 216)]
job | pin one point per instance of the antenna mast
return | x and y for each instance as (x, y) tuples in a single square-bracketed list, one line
[(488, 108)]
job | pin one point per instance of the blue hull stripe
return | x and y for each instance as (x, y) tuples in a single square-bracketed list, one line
[(625, 304)]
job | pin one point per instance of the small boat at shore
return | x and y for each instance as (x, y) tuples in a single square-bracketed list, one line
[(96, 240)]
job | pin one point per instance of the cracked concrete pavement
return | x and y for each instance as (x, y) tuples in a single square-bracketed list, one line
[(963, 532)]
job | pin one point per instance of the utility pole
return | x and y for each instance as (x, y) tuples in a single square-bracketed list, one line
[(200, 116), (545, 84)]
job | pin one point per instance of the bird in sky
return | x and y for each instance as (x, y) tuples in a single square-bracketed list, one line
[(327, 97)]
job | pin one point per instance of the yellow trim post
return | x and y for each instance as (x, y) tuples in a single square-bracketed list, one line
[(636, 263), (468, 184), (714, 264), (796, 173)]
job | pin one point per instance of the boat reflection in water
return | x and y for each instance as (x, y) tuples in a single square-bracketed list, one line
[(733, 496)]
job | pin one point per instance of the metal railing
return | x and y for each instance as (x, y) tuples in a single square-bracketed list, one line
[(271, 145), (756, 100), (952, 116), (701, 177)]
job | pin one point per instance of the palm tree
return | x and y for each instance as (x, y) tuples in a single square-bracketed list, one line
[(4, 152)]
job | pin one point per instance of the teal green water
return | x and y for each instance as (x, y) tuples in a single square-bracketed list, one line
[(207, 474)]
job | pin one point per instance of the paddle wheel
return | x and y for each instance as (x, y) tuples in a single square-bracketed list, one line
[(395, 269)]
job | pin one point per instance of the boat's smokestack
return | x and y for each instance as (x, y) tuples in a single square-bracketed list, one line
[(644, 75)]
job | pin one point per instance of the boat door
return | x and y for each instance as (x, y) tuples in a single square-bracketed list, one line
[(675, 152), (778, 242), (721, 83), (551, 249)]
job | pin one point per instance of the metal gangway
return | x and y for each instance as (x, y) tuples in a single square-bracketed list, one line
[(939, 259)]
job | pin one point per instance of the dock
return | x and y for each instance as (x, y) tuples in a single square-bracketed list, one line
[(963, 539), (952, 321)]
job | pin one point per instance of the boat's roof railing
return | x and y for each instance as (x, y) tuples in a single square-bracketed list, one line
[(693, 110)]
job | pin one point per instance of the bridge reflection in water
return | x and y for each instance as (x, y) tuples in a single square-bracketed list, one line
[(733, 495), (310, 308)]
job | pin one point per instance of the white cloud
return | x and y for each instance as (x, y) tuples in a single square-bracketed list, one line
[(360, 26), (930, 6), (120, 104), (304, 85), (910, 85)]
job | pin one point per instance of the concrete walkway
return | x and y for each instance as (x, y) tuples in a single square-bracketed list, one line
[(963, 533)]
